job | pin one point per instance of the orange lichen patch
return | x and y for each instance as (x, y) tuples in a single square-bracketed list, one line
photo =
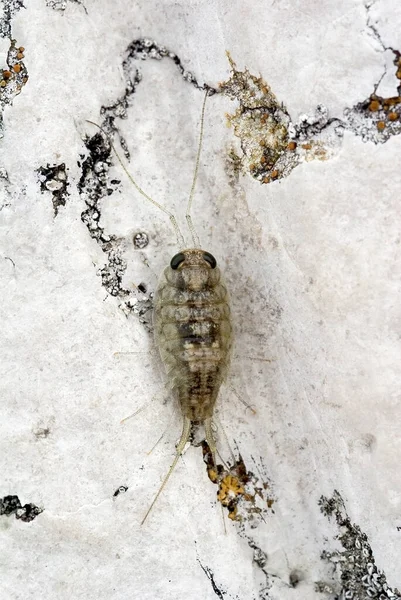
[(266, 179), (319, 151), (398, 74), (291, 146), (393, 116), (388, 103), (393, 100), (240, 491), (230, 487), (14, 75), (274, 174), (374, 106), (260, 122), (307, 146), (381, 125), (213, 475), (21, 49)]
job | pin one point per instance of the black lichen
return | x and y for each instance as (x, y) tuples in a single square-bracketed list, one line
[(209, 574), (54, 179), (355, 565), (121, 490), (11, 505), (9, 10)]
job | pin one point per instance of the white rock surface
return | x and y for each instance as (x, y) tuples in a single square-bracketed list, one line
[(313, 265)]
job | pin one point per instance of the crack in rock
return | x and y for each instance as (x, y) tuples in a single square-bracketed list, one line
[(354, 566), (209, 574)]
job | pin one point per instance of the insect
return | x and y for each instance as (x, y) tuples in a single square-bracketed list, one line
[(192, 323)]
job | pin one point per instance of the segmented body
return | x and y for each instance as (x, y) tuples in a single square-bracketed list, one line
[(193, 332)]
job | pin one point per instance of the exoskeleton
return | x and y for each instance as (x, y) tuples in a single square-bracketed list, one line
[(192, 324)]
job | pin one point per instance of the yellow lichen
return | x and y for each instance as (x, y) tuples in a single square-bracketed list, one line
[(212, 475), (229, 486), (374, 106)]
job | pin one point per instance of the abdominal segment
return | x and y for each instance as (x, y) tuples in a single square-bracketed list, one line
[(194, 339)]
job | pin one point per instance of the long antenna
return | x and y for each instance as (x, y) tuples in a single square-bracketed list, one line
[(180, 237), (186, 430), (195, 237)]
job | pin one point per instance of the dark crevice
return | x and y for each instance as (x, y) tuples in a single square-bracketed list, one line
[(209, 574)]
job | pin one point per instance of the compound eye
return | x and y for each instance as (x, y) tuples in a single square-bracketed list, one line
[(209, 258), (177, 260)]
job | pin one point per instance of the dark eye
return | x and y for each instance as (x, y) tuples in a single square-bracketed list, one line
[(210, 259), (177, 260)]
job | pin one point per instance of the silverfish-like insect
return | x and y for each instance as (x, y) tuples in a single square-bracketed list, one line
[(193, 330)]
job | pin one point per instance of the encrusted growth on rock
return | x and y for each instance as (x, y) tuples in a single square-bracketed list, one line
[(245, 496), (12, 78), (54, 180), (355, 565), (11, 505), (271, 144)]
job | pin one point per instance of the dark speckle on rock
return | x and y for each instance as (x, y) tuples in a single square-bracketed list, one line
[(121, 490), (10, 505)]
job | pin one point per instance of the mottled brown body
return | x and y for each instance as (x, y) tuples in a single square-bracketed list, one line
[(193, 332)]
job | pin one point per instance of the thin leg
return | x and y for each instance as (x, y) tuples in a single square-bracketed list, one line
[(186, 430), (160, 439), (234, 391), (195, 238), (141, 408), (227, 442), (138, 353), (210, 439)]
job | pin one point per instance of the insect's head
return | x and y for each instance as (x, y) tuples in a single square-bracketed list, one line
[(194, 268)]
